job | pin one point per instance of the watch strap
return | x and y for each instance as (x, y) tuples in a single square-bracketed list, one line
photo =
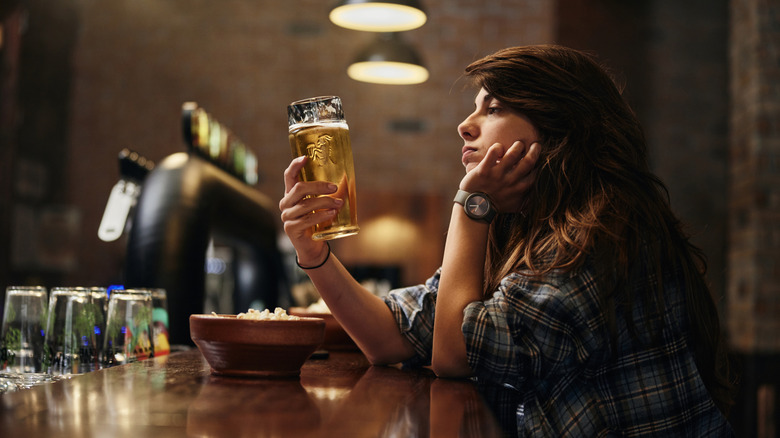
[(461, 196)]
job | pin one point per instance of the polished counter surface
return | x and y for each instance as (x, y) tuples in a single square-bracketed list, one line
[(176, 395)]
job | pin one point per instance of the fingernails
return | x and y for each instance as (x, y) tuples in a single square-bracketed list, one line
[(339, 201), (332, 187)]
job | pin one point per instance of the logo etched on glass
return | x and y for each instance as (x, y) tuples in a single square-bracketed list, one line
[(321, 151)]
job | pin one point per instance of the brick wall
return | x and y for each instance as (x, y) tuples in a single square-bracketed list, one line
[(754, 211), (754, 201)]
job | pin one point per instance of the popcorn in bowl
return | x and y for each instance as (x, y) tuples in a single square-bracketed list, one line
[(318, 307), (279, 314)]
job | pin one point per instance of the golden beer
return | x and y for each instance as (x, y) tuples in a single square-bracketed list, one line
[(330, 159)]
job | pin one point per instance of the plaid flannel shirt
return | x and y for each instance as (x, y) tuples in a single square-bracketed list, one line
[(548, 340)]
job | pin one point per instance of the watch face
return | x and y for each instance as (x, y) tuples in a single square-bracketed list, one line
[(477, 206)]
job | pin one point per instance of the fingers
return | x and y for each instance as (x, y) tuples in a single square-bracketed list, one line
[(522, 161), (494, 156), (303, 190), (296, 190), (291, 174), (303, 204), (299, 215), (298, 226), (517, 159), (303, 201)]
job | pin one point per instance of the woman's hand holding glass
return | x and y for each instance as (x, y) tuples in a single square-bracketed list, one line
[(301, 209), (505, 175)]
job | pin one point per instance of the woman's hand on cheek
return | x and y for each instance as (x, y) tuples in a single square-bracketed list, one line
[(504, 176)]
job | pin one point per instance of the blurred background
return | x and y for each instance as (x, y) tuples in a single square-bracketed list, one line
[(82, 79)]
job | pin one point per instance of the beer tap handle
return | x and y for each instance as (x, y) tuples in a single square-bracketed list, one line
[(133, 169)]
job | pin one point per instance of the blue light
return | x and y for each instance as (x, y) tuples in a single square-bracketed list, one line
[(114, 287), (215, 266)]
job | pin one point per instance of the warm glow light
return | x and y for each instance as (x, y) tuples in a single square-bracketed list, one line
[(389, 239), (378, 17), (395, 73)]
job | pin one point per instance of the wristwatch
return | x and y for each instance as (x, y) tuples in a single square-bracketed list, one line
[(477, 206)]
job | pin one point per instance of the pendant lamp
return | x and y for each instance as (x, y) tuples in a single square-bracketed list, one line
[(379, 16), (388, 60)]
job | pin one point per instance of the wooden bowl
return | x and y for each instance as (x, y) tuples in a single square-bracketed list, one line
[(336, 338), (256, 348)]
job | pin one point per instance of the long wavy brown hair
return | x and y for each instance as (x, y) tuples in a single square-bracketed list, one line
[(595, 197)]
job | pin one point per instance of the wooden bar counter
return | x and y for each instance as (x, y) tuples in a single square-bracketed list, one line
[(176, 395)]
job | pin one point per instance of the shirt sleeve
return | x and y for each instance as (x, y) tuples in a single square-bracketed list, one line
[(534, 329), (414, 308)]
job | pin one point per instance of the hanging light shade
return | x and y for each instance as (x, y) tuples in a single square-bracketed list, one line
[(388, 60), (379, 16)]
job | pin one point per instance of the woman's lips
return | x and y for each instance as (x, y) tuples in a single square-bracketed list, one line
[(467, 152)]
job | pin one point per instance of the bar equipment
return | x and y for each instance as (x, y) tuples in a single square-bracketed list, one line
[(189, 201)]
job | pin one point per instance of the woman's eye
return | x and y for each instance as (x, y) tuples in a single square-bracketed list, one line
[(493, 110)]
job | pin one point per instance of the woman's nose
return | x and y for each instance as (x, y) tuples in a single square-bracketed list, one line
[(467, 130)]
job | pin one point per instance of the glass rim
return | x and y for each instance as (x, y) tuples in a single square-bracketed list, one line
[(135, 291), (26, 290), (313, 99), (34, 288), (68, 289)]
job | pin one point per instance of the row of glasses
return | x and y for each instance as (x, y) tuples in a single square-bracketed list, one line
[(80, 330)]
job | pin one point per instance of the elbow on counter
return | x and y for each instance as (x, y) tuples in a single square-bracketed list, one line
[(383, 358), (387, 353), (450, 368)]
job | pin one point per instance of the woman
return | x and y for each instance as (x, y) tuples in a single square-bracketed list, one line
[(583, 293)]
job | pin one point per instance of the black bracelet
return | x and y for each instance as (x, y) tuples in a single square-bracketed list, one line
[(314, 267)]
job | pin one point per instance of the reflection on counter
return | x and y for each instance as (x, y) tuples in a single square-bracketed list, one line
[(176, 395), (262, 407)]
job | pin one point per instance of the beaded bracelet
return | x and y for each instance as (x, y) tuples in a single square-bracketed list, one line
[(314, 267)]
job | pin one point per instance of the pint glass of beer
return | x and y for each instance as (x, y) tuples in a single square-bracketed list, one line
[(318, 130)]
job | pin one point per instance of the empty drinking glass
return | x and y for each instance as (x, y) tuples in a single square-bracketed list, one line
[(128, 327), (71, 341), (22, 338)]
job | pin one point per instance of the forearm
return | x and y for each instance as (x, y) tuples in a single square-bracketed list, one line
[(364, 316), (461, 283)]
